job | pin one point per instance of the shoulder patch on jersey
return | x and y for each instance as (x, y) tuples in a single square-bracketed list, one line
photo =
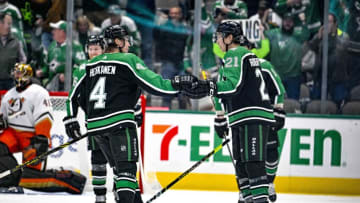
[(254, 62), (140, 67)]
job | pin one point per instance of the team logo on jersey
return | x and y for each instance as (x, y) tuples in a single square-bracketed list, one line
[(140, 67), (15, 105)]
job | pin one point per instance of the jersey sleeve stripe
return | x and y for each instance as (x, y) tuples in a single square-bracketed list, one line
[(42, 116), (157, 89)]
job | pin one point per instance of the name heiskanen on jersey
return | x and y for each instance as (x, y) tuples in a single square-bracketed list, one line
[(110, 70)]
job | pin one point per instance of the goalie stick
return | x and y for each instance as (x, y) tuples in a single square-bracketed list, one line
[(188, 171), (40, 157)]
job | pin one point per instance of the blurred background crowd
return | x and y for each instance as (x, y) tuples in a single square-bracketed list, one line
[(288, 33)]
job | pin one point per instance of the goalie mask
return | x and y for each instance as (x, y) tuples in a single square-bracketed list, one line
[(116, 32), (22, 75), (232, 28)]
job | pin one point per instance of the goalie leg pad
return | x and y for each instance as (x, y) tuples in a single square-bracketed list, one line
[(8, 162), (53, 181)]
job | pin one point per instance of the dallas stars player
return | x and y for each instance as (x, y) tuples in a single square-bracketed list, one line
[(94, 47), (241, 92), (276, 92), (109, 90)]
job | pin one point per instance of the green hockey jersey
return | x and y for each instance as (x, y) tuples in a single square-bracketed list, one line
[(110, 88), (241, 89), (55, 58), (273, 83)]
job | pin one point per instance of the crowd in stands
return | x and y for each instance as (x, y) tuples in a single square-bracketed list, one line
[(291, 38)]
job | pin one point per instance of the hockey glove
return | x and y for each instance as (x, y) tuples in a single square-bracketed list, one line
[(181, 82), (221, 127), (40, 143), (3, 122), (203, 88), (72, 127), (280, 115), (138, 115)]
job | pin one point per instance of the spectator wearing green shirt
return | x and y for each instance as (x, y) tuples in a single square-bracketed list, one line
[(53, 70), (232, 9), (285, 53)]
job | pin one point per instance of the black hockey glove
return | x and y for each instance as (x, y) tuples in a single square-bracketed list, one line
[(40, 143), (138, 115), (221, 127), (72, 127), (181, 82), (202, 88), (3, 122), (280, 115)]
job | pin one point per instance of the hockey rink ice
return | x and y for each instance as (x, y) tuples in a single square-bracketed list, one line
[(171, 196)]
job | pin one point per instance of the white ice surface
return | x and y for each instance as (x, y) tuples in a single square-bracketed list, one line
[(171, 196)]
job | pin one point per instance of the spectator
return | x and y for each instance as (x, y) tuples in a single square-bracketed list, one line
[(56, 13), (172, 32), (337, 63), (304, 11), (285, 54), (14, 12), (207, 56), (267, 16), (117, 17), (353, 29), (95, 10), (33, 15), (85, 28), (11, 52), (143, 12), (341, 11), (233, 9), (54, 66)]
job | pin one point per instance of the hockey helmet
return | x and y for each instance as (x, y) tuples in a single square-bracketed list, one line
[(116, 31), (22, 74), (234, 28), (94, 40)]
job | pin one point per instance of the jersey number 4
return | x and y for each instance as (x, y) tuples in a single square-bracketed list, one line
[(98, 94)]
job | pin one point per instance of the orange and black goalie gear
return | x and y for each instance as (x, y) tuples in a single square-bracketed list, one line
[(22, 73)]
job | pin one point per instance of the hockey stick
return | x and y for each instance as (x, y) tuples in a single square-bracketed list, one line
[(188, 171), (40, 157), (233, 162)]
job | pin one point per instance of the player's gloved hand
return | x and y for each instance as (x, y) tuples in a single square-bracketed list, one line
[(138, 114), (181, 82), (40, 143), (280, 115), (221, 127), (72, 127), (3, 122), (203, 88)]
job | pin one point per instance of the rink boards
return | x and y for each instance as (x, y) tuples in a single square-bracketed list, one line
[(318, 154)]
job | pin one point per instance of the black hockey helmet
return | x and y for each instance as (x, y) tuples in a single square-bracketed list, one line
[(234, 28), (113, 32), (95, 40)]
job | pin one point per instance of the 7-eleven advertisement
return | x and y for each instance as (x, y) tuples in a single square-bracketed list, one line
[(318, 155)]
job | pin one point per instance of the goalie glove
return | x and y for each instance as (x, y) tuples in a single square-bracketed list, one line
[(280, 115), (202, 88), (138, 115), (40, 143), (221, 127), (72, 127), (181, 82)]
